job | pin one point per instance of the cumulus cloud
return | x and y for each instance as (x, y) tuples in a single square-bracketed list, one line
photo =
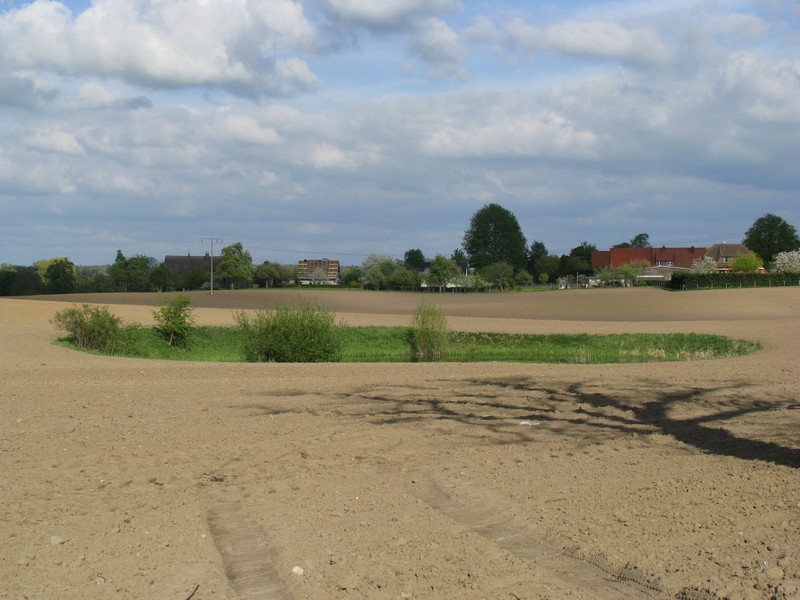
[(437, 43), (240, 46), (59, 142), (93, 96), (387, 13), (25, 90), (513, 135), (591, 39)]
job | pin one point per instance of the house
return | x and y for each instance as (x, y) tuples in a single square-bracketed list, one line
[(324, 271), (180, 265), (725, 254), (661, 262), (675, 258)]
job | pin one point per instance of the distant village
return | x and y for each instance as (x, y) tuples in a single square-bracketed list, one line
[(653, 264)]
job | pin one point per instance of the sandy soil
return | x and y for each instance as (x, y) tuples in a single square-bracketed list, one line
[(125, 478)]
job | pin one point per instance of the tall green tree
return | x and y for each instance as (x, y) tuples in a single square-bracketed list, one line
[(130, 274), (235, 269), (60, 277), (536, 252), (494, 236), (770, 235), (459, 256), (548, 265), (579, 260), (641, 240), (414, 259)]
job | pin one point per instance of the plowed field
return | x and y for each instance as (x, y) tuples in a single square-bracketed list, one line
[(128, 478)]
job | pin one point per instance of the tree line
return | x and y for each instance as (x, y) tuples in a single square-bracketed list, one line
[(494, 254)]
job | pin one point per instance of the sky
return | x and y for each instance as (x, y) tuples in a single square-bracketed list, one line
[(341, 128)]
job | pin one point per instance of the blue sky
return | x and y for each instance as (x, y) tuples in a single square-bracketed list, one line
[(342, 128)]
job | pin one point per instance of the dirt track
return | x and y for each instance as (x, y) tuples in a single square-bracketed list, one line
[(128, 478)]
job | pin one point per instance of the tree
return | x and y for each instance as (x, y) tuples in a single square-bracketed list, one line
[(582, 258), (537, 251), (770, 235), (161, 278), (787, 262), (118, 272), (8, 273), (459, 256), (442, 271), (271, 274), (705, 264), (641, 240), (628, 273), (130, 274), (195, 278), (60, 277), (749, 262), (500, 274), (174, 320), (404, 278), (26, 282), (377, 269), (235, 267), (494, 235), (351, 276), (414, 259), (548, 265)]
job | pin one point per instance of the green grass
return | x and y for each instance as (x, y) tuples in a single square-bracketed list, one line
[(394, 344)]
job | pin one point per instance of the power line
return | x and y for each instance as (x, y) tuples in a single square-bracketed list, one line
[(212, 240)]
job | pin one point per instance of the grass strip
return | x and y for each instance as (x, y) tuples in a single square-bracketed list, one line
[(393, 344)]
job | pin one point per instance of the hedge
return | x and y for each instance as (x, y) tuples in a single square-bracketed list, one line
[(695, 281)]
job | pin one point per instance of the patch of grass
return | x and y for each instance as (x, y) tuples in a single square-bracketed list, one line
[(395, 344), (430, 334)]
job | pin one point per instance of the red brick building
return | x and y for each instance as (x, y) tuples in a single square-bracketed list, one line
[(681, 258)]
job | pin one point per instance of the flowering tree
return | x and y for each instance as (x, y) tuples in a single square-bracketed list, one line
[(787, 262), (706, 264)]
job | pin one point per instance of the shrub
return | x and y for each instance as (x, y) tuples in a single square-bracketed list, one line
[(429, 332), (175, 320), (305, 333), (92, 328)]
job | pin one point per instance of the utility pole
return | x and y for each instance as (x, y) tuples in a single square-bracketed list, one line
[(212, 240)]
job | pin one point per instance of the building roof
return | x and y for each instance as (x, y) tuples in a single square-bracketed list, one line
[(722, 251), (183, 264)]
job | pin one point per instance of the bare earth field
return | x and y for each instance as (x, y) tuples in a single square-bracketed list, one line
[(128, 478)]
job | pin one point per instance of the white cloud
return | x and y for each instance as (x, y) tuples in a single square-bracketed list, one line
[(387, 13), (167, 44), (246, 129), (328, 156), (515, 135), (591, 39), (436, 43), (25, 89), (59, 142)]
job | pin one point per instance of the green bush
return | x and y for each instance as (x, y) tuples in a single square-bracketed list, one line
[(175, 320), (429, 332), (305, 333), (92, 328)]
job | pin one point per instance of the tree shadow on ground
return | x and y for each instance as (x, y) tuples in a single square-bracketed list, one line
[(500, 406)]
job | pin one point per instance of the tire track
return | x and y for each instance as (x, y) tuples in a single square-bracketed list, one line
[(245, 553), (586, 577)]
